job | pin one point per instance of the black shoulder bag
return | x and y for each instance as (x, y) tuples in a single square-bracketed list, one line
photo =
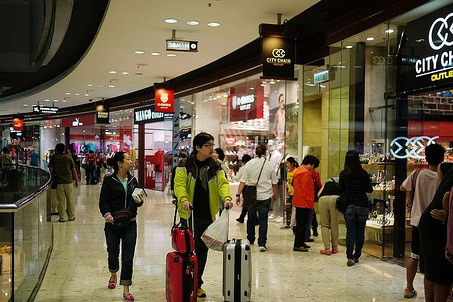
[(122, 218), (250, 191)]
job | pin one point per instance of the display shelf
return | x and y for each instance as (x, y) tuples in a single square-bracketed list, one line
[(379, 166)]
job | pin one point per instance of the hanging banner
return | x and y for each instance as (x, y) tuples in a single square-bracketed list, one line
[(164, 100), (278, 56), (18, 124), (102, 114)]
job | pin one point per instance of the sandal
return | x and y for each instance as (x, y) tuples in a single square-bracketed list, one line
[(128, 297), (112, 283)]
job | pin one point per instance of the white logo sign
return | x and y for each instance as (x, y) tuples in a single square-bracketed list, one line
[(278, 53), (441, 32), (77, 123), (244, 102), (412, 147)]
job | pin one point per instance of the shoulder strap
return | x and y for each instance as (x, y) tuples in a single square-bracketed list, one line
[(259, 176)]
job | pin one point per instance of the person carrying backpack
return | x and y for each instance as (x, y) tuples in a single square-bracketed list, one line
[(90, 166)]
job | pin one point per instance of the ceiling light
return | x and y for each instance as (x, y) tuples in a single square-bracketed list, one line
[(86, 94), (171, 55), (55, 100), (112, 71), (111, 86), (370, 39), (25, 105), (139, 52), (76, 93), (192, 22), (64, 101), (90, 85), (125, 72), (389, 31), (68, 93), (170, 20), (213, 24), (348, 46), (271, 82), (46, 100), (155, 53)]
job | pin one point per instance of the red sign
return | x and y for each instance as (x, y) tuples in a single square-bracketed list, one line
[(18, 124), (78, 121), (246, 101), (164, 100), (230, 140)]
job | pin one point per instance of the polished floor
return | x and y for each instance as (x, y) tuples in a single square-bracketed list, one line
[(78, 267)]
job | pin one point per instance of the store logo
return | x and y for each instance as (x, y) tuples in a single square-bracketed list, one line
[(441, 32), (278, 53), (243, 103), (404, 147), (77, 122)]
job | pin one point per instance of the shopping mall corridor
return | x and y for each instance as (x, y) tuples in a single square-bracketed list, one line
[(78, 266)]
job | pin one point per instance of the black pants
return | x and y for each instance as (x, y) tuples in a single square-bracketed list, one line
[(201, 250), (128, 239), (302, 215), (89, 175)]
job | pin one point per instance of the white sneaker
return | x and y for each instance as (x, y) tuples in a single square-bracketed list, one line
[(279, 219), (263, 248)]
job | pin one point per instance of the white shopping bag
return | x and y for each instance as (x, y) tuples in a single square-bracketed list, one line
[(216, 234)]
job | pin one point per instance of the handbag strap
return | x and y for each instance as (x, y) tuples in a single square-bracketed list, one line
[(259, 176)]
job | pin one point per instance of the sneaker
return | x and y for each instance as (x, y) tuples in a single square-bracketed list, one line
[(71, 219), (334, 251), (409, 293), (128, 297), (112, 283), (326, 252), (201, 293), (240, 220), (350, 262), (263, 248), (300, 249), (61, 220)]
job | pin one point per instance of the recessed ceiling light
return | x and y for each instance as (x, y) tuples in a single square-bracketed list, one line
[(213, 24), (112, 71), (125, 72), (171, 55), (170, 20), (55, 100), (76, 93), (64, 101), (86, 94), (25, 105), (46, 100), (90, 85), (139, 52), (155, 53), (192, 22), (348, 46), (68, 93), (370, 39), (111, 86), (389, 31)]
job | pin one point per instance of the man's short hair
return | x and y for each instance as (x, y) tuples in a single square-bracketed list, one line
[(434, 154), (200, 139), (59, 148), (310, 160)]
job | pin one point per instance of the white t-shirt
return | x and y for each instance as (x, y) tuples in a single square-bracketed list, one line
[(425, 188), (268, 177)]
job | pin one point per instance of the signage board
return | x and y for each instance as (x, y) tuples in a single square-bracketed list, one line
[(45, 109), (79, 121), (320, 77), (164, 100), (102, 114), (18, 124), (244, 104), (182, 45), (149, 115), (278, 57), (427, 54)]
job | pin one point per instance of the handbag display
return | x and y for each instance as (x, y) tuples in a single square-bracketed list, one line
[(250, 191)]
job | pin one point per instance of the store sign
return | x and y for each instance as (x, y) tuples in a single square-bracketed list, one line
[(320, 77), (427, 57), (230, 140), (278, 57), (148, 115), (242, 103), (45, 109), (181, 45), (80, 121), (102, 114), (164, 100), (244, 106), (404, 147), (18, 124)]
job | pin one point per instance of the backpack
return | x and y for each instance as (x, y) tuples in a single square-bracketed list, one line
[(90, 163)]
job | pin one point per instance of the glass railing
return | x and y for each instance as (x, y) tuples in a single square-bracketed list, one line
[(25, 234)]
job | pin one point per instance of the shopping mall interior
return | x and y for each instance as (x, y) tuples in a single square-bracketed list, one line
[(315, 77)]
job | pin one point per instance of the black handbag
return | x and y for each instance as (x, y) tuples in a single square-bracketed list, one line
[(121, 218), (250, 191), (342, 203)]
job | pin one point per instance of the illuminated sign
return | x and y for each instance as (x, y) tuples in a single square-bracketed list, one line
[(181, 45), (164, 100), (278, 56), (242, 103), (18, 124), (102, 114), (404, 147), (148, 115), (45, 109), (320, 77)]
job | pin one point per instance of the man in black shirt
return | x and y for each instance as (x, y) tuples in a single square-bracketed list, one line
[(200, 182)]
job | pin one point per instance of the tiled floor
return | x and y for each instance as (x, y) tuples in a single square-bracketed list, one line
[(78, 267)]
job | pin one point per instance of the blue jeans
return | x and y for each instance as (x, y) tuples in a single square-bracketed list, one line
[(355, 217), (262, 207), (128, 238)]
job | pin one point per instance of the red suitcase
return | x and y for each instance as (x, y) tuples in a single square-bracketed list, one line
[(182, 277)]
